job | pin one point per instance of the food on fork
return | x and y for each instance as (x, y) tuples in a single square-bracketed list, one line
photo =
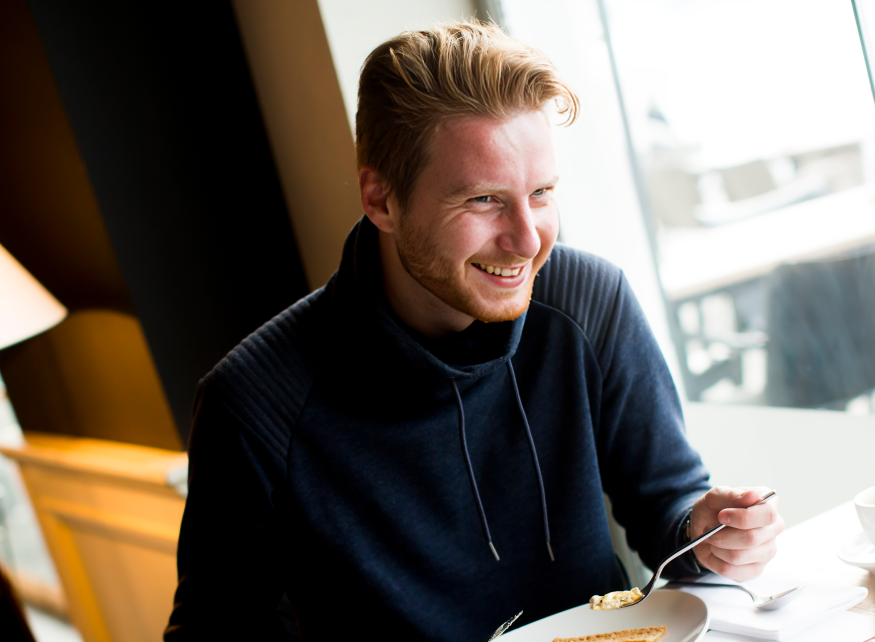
[(649, 634), (615, 600)]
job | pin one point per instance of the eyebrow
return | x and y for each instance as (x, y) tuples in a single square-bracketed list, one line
[(489, 188)]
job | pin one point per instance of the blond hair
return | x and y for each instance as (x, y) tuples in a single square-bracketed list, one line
[(413, 82)]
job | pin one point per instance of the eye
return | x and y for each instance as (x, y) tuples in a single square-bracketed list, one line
[(541, 192), (481, 199)]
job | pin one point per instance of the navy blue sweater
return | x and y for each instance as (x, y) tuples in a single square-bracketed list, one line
[(326, 463)]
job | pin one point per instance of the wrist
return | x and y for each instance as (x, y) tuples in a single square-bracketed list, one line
[(686, 536)]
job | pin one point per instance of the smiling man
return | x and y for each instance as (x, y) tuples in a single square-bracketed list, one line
[(477, 229), (421, 447)]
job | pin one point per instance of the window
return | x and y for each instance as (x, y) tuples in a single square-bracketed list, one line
[(22, 547), (725, 159)]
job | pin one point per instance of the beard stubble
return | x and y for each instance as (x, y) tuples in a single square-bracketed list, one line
[(431, 270)]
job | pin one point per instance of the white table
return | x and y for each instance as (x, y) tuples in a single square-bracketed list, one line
[(701, 260), (808, 551)]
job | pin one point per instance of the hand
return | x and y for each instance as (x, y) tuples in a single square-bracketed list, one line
[(742, 549)]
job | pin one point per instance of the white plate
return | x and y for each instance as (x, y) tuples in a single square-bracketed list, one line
[(685, 615), (858, 551)]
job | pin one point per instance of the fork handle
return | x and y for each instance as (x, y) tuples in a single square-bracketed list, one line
[(683, 549)]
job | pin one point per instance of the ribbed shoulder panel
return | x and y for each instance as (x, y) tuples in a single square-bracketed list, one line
[(266, 379), (584, 287)]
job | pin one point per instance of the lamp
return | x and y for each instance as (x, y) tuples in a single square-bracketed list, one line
[(26, 307)]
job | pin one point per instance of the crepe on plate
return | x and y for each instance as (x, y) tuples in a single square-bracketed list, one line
[(649, 634)]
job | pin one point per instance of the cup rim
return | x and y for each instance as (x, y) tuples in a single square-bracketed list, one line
[(869, 493)]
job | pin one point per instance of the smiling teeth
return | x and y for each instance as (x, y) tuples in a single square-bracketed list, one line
[(499, 271)]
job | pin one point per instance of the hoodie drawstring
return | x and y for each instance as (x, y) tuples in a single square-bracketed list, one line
[(534, 460), (470, 469)]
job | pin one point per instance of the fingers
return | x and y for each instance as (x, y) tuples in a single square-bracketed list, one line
[(736, 564), (741, 556), (742, 550), (721, 497), (735, 507), (752, 517), (740, 538), (738, 572)]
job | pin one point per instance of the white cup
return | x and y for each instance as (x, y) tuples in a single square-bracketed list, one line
[(864, 502)]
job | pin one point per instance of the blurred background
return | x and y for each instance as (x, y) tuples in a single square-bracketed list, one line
[(746, 130), (173, 175), (752, 124)]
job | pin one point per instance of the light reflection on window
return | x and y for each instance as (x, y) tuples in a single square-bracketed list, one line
[(754, 130)]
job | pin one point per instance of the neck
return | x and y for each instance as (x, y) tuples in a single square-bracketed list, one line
[(414, 305)]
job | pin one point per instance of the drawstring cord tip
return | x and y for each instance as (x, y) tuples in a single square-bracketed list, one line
[(550, 550), (494, 552)]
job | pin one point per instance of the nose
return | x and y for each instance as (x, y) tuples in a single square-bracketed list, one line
[(520, 235)]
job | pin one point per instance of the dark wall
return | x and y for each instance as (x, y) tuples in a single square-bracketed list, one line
[(162, 107), (49, 217), (92, 375)]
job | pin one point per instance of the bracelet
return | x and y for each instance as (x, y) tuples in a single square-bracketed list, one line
[(688, 537)]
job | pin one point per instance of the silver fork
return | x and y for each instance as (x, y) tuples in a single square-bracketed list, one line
[(504, 627), (764, 602), (647, 590)]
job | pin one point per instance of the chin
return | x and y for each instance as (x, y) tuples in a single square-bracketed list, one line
[(490, 309), (497, 316), (497, 309)]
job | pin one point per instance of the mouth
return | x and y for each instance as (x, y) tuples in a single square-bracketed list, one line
[(502, 271)]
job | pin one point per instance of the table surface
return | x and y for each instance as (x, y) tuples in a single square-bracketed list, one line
[(808, 550), (700, 260)]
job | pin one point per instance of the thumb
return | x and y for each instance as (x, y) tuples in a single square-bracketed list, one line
[(721, 497), (741, 497)]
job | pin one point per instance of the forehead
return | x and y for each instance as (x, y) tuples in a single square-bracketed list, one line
[(475, 151)]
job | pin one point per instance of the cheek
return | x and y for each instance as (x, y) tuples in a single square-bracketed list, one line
[(548, 231), (471, 239)]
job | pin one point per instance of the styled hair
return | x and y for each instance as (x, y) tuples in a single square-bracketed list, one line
[(413, 82)]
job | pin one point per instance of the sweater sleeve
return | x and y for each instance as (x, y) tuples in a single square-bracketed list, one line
[(649, 470), (230, 551)]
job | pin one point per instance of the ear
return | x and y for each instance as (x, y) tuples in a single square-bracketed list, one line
[(375, 199)]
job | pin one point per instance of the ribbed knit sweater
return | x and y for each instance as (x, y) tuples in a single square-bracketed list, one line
[(327, 464)]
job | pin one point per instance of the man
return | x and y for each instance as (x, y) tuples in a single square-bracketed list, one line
[(421, 447)]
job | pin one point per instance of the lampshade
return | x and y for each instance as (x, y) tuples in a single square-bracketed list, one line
[(26, 307)]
